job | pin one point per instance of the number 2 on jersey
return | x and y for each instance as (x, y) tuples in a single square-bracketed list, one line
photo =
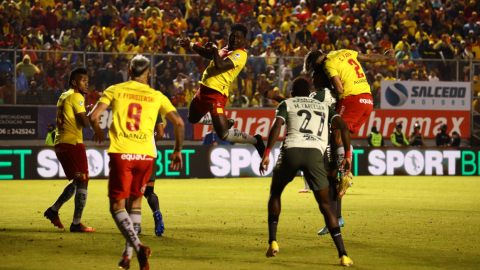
[(357, 68), (134, 113), (306, 121)]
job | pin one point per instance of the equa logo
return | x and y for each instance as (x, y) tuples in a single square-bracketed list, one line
[(396, 94)]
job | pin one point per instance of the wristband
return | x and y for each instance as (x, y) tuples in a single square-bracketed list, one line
[(191, 45), (348, 154), (267, 152)]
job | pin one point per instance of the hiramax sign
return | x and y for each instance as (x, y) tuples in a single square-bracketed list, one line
[(420, 95)]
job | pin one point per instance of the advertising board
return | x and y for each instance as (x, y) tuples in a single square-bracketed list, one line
[(18, 123), (243, 161), (420, 95)]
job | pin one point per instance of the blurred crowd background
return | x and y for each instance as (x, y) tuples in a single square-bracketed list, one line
[(43, 40)]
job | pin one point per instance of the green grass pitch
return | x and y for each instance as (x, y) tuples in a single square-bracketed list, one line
[(390, 223)]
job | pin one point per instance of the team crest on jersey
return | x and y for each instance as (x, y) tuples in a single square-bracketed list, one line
[(81, 103)]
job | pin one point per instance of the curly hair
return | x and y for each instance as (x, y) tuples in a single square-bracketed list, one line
[(74, 73), (239, 27), (300, 87), (311, 60)]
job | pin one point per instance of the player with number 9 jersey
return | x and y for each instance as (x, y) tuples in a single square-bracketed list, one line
[(135, 107)]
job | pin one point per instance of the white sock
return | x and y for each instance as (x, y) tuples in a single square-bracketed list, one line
[(125, 225), (136, 217), (67, 193), (306, 184), (238, 136), (340, 155), (80, 202), (206, 120)]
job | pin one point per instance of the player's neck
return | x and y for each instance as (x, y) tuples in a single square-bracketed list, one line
[(141, 80)]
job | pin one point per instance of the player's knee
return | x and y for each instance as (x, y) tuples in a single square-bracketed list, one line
[(148, 192)]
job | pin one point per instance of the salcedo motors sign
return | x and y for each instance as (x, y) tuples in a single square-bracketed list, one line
[(419, 95), (244, 161)]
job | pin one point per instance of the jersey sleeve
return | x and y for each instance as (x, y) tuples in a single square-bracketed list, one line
[(330, 68), (166, 106), (78, 103), (159, 120), (331, 114), (108, 95), (281, 111), (238, 57)]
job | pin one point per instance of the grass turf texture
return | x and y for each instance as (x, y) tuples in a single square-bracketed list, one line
[(391, 223)]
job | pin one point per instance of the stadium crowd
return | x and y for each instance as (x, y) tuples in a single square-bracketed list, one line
[(104, 35)]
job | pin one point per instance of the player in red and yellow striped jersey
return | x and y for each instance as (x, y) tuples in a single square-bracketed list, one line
[(70, 151), (135, 107), (212, 95)]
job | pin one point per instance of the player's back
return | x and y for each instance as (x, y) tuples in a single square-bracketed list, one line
[(307, 122), (344, 63), (135, 107), (69, 130)]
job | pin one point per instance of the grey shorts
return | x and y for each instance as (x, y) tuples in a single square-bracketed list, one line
[(308, 160)]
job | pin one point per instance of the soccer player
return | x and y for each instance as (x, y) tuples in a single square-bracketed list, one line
[(355, 99), (70, 151), (135, 107), (213, 93), (307, 121)]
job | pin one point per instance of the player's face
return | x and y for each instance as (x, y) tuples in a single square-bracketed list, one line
[(235, 40), (80, 83)]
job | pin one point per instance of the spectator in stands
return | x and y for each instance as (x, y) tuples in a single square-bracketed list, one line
[(389, 76), (398, 138), (22, 83), (257, 100), (196, 75), (442, 139), (455, 139), (285, 86), (416, 138), (433, 77), (8, 92), (5, 64), (377, 85), (375, 139), (27, 68)]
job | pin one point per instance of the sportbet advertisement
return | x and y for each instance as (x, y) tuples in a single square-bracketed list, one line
[(32, 163)]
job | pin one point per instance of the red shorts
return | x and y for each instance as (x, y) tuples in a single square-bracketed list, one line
[(209, 100), (129, 174), (74, 160), (355, 110)]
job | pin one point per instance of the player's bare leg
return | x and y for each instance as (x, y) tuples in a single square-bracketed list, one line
[(274, 209), (222, 128), (128, 225), (332, 223)]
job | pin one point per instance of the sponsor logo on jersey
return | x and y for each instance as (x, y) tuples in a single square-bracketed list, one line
[(133, 136), (366, 101), (360, 81), (81, 103)]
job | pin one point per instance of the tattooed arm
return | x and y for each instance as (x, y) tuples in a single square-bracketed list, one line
[(373, 57)]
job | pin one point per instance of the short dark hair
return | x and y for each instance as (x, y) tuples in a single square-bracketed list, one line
[(74, 73), (311, 60), (300, 87), (239, 27)]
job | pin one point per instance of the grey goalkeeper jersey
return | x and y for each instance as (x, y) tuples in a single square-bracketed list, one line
[(307, 122)]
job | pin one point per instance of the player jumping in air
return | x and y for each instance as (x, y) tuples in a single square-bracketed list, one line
[(70, 151), (212, 95), (135, 107), (307, 121)]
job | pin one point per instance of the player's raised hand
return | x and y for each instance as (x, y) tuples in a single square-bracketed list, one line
[(264, 165), (346, 165), (210, 45), (183, 42), (390, 53), (98, 136), (176, 161)]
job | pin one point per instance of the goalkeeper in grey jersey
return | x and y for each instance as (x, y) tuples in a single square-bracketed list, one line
[(307, 121)]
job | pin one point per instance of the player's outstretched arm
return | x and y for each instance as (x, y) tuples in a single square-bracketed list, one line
[(339, 123), (373, 57), (270, 94), (272, 138), (94, 118), (179, 130), (203, 52)]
